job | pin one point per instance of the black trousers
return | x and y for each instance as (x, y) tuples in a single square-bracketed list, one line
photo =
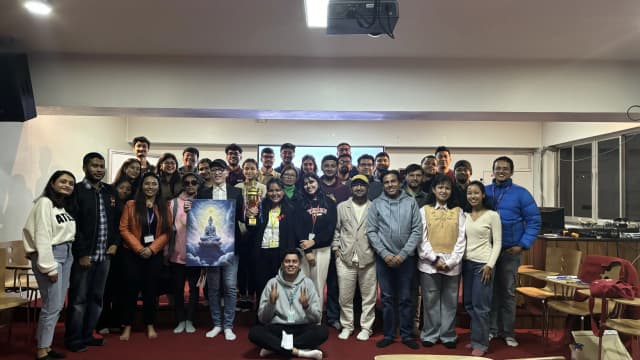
[(142, 276), (114, 297), (306, 336), (266, 268), (179, 274)]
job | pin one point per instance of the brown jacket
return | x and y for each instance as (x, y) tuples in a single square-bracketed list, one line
[(131, 231)]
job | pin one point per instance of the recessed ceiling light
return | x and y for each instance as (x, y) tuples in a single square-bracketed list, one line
[(38, 7), (316, 11)]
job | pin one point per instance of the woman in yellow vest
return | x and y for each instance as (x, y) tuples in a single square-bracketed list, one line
[(440, 257)]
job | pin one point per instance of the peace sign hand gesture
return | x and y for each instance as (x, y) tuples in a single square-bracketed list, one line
[(304, 299)]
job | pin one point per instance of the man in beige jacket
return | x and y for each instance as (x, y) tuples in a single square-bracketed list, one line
[(355, 260)]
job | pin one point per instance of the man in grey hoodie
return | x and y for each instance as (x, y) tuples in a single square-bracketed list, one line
[(394, 228), (290, 308)]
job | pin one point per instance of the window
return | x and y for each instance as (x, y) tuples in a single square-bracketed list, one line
[(582, 158), (609, 178), (632, 176), (615, 191), (566, 180)]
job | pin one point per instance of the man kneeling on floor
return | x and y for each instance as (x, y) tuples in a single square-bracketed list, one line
[(290, 310)]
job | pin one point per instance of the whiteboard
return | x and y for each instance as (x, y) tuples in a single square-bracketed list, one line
[(118, 157)]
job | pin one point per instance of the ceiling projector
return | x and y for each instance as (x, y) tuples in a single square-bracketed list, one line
[(374, 17)]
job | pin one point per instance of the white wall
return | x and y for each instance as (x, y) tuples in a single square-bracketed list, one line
[(334, 84)]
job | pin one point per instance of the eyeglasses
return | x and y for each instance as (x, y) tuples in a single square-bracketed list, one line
[(288, 175), (190, 183), (217, 170)]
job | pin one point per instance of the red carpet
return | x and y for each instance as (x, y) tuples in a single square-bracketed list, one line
[(195, 346)]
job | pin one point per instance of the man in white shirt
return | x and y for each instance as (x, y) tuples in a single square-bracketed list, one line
[(229, 271)]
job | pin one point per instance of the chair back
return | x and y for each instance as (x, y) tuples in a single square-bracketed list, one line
[(17, 254), (563, 261)]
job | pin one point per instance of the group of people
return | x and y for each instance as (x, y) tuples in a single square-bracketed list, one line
[(350, 230)]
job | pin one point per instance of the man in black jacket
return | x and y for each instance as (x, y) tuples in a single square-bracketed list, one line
[(229, 271), (96, 241)]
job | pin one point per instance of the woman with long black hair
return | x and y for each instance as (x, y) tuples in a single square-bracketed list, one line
[(144, 226), (317, 217), (129, 171), (274, 235), (48, 233)]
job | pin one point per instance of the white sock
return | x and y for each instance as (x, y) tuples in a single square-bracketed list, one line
[(265, 352), (229, 335), (213, 332), (189, 327), (310, 354), (179, 328)]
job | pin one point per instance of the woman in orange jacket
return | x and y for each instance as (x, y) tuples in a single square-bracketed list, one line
[(145, 226)]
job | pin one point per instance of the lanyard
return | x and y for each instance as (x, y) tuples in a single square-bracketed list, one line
[(291, 294), (500, 196), (273, 218), (150, 219)]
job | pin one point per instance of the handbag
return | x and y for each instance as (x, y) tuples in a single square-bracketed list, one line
[(607, 289)]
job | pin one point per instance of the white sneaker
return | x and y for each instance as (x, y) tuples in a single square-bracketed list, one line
[(213, 332), (189, 327), (491, 337), (103, 331), (344, 334), (363, 335), (511, 341), (180, 328), (229, 335)]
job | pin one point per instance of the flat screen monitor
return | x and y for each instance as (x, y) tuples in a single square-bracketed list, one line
[(552, 219)]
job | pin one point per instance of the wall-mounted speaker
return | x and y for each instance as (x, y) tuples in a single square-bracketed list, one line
[(16, 94)]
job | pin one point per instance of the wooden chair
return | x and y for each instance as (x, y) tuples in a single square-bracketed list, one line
[(558, 261), (22, 279), (8, 301), (577, 305)]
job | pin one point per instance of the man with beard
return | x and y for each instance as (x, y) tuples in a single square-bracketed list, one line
[(287, 153), (141, 147), (365, 167), (413, 184), (290, 307), (95, 243), (355, 261), (345, 169), (267, 172), (382, 162), (462, 170), (394, 228), (234, 171)]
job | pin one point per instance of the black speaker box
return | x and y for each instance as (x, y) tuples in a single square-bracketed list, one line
[(16, 94)]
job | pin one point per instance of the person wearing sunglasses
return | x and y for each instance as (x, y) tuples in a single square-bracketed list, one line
[(176, 254)]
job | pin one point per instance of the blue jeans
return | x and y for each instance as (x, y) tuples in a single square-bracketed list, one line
[(86, 291), (477, 302), (503, 306), (396, 283), (229, 275), (440, 302), (53, 294)]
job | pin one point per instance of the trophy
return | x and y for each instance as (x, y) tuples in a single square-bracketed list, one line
[(253, 200)]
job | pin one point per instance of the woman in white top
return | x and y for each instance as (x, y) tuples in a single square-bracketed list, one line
[(440, 257), (484, 238), (48, 234)]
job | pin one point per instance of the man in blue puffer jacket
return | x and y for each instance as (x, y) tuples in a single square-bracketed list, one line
[(520, 219)]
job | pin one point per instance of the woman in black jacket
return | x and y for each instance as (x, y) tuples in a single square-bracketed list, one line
[(317, 217), (274, 234)]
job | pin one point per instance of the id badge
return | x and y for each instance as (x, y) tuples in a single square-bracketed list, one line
[(291, 317), (148, 239), (312, 236), (273, 243)]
